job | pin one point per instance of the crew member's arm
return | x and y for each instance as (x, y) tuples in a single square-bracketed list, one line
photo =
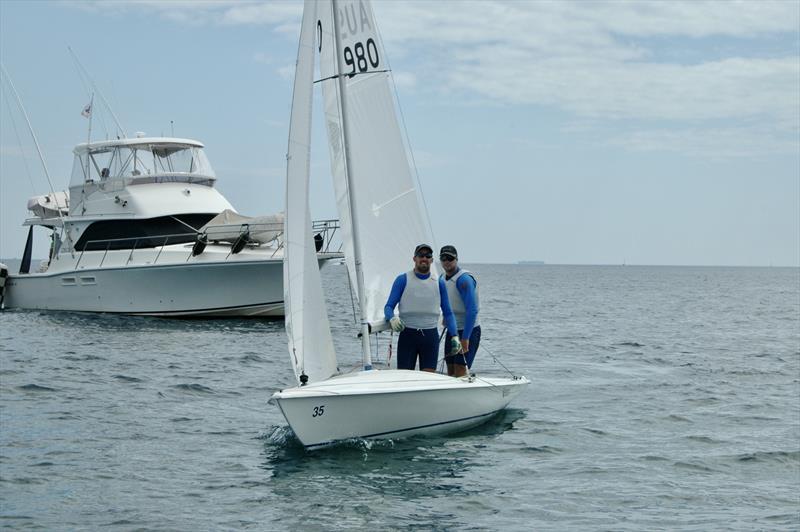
[(398, 287), (466, 288), (447, 312)]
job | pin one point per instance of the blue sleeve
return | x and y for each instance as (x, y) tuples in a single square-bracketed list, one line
[(466, 288), (394, 296), (447, 312)]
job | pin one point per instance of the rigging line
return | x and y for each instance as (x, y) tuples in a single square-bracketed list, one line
[(405, 132), (187, 225), (21, 149), (99, 92), (36, 143), (352, 299), (87, 87), (482, 346)]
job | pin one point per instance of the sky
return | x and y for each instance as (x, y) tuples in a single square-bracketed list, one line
[(569, 132)]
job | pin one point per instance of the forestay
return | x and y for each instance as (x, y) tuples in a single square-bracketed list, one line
[(389, 212), (310, 342)]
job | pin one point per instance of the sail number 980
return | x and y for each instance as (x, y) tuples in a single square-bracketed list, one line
[(361, 57), (318, 411)]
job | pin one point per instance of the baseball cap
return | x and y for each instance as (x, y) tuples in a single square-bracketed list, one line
[(449, 250), (421, 247)]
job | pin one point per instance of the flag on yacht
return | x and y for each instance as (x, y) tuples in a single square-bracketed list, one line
[(87, 110)]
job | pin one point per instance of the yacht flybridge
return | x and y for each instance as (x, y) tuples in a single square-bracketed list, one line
[(142, 230)]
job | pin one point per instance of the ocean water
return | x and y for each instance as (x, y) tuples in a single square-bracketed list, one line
[(662, 398)]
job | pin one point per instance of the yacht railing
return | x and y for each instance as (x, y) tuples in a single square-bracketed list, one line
[(323, 230)]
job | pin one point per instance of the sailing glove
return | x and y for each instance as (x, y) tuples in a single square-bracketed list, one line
[(455, 345), (397, 324)]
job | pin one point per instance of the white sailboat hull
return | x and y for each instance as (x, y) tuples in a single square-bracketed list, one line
[(390, 404)]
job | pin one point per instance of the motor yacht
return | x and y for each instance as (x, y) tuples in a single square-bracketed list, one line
[(143, 230)]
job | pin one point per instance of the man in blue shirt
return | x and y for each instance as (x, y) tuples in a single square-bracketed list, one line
[(462, 291), (420, 298)]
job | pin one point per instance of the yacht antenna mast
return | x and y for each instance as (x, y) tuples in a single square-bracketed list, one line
[(88, 112), (82, 70)]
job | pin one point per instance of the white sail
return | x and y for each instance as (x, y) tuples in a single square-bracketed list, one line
[(389, 212), (384, 222), (310, 343)]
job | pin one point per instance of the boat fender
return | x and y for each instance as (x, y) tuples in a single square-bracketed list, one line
[(240, 242), (3, 277), (199, 245)]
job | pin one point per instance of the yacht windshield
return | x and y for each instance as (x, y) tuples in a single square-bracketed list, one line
[(145, 163)]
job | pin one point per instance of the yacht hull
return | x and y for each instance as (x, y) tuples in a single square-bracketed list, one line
[(391, 404), (224, 289)]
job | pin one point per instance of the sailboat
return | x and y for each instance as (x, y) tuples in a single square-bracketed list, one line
[(382, 220)]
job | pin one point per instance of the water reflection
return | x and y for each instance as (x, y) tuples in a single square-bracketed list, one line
[(412, 475), (422, 461), (125, 323)]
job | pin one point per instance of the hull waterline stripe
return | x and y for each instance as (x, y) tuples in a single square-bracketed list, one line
[(193, 311), (254, 262), (331, 442)]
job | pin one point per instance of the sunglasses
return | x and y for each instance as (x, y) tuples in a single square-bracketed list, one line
[(425, 255), (446, 258)]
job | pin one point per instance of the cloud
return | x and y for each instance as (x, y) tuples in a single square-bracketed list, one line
[(286, 72), (661, 65), (695, 62), (404, 79), (224, 12), (719, 142)]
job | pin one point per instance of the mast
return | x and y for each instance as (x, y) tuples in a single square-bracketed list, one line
[(88, 141), (365, 349)]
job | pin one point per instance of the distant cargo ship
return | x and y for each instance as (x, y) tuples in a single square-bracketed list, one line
[(537, 262)]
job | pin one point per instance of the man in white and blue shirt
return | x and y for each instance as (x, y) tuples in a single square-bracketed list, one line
[(462, 291), (420, 297)]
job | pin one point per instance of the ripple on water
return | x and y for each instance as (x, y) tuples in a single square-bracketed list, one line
[(252, 358), (630, 417), (704, 439), (193, 388), (542, 449), (692, 466), (35, 388), (126, 378), (777, 457)]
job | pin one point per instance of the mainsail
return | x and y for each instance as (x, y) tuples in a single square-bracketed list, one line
[(310, 342), (389, 212)]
